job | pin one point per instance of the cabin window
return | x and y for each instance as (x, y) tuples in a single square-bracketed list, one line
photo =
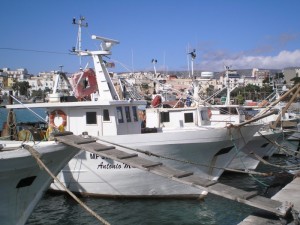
[(106, 115), (164, 117), (135, 116), (188, 118), (127, 114), (120, 115), (91, 118)]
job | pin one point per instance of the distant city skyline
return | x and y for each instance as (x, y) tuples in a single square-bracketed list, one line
[(38, 35)]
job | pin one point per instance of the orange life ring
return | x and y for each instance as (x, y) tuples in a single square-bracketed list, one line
[(59, 113), (156, 101), (79, 83)]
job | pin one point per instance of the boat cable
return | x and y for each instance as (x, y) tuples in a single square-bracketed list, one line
[(35, 154), (37, 115), (33, 50)]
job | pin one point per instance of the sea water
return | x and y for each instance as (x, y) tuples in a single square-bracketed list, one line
[(24, 115)]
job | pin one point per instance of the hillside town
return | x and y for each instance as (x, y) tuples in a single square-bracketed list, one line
[(252, 84)]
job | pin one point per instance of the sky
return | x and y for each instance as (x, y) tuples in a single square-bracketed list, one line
[(242, 34)]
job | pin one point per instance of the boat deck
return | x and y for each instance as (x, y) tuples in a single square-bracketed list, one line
[(274, 206)]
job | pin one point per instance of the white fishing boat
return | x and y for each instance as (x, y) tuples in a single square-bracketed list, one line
[(177, 134), (23, 180)]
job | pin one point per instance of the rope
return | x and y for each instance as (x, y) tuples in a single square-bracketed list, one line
[(37, 115), (35, 154)]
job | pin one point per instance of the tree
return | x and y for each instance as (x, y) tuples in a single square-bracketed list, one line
[(240, 99), (21, 87)]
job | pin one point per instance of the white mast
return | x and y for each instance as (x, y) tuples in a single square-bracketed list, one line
[(228, 86), (154, 61), (78, 44)]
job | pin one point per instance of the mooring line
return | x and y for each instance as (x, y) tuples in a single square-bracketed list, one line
[(35, 154)]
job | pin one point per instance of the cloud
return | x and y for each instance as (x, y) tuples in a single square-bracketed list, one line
[(238, 61)]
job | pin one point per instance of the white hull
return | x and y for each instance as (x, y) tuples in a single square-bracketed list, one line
[(105, 177), (23, 182), (259, 145)]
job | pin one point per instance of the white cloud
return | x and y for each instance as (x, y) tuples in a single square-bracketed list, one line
[(280, 61)]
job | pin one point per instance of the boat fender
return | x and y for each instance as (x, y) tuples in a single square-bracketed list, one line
[(58, 113)]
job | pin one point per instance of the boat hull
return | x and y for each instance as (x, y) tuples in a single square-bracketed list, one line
[(23, 181)]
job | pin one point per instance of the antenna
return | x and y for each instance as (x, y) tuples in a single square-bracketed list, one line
[(227, 68), (154, 61), (80, 24), (193, 56)]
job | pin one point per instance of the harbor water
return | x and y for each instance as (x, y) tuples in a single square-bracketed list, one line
[(61, 209)]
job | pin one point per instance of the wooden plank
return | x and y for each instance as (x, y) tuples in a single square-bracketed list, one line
[(266, 204), (152, 164), (248, 198), (183, 174), (103, 148), (86, 141), (231, 192)]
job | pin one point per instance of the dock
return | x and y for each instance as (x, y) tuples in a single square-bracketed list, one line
[(275, 206)]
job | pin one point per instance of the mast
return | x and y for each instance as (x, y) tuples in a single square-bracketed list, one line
[(228, 86), (78, 44), (193, 56), (154, 61)]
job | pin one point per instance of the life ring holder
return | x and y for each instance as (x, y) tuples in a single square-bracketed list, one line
[(59, 113)]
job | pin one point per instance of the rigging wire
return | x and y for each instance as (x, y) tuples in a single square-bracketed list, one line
[(37, 51)]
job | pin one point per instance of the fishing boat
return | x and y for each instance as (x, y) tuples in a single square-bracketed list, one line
[(23, 180), (181, 138)]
